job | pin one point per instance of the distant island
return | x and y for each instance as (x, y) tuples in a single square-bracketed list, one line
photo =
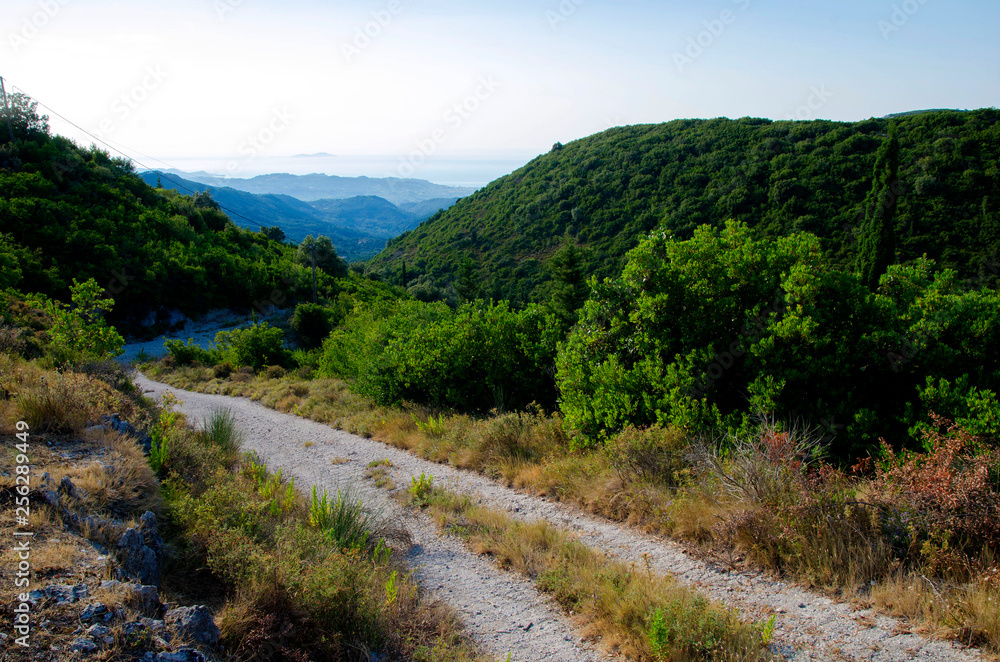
[(317, 155)]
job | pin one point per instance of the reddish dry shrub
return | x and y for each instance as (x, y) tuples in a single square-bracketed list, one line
[(951, 490)]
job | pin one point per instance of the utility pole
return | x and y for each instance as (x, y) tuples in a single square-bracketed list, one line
[(6, 106), (312, 251)]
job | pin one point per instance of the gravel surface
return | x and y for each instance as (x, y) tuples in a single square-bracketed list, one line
[(503, 611)]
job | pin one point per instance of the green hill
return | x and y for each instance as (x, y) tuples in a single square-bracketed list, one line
[(609, 190), (72, 213)]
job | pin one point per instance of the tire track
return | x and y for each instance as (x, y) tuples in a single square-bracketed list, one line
[(808, 627), (502, 611)]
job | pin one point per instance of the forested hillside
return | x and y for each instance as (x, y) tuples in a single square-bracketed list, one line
[(609, 190), (76, 213)]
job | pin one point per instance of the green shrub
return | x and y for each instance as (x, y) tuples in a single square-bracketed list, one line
[(476, 358), (219, 430), (274, 372), (80, 331), (255, 346), (312, 323), (421, 488), (189, 352)]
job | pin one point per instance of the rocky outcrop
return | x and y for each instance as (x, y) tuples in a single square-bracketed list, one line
[(140, 551), (193, 624)]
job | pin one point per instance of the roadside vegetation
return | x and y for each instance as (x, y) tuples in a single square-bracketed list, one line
[(797, 421), (634, 612), (287, 576)]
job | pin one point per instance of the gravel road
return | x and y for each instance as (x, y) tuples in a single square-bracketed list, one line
[(504, 612)]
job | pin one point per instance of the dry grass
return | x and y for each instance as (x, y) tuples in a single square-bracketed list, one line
[(757, 508), (616, 602)]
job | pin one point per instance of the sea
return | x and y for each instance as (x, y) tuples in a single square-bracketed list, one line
[(471, 171)]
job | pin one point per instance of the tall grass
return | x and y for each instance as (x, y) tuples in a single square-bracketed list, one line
[(343, 519)]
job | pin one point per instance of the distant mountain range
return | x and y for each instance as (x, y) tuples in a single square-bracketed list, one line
[(396, 190), (359, 226)]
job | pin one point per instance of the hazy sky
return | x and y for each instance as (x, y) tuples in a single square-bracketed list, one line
[(241, 78)]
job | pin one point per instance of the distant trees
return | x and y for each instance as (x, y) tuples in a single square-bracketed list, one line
[(877, 246), (465, 279), (326, 256)]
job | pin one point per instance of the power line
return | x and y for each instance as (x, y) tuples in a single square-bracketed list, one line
[(134, 160)]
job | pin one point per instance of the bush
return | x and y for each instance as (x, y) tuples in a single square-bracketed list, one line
[(343, 519), (274, 372), (944, 501), (255, 346), (219, 430), (80, 331), (476, 358), (765, 466), (189, 353), (655, 454), (312, 323)]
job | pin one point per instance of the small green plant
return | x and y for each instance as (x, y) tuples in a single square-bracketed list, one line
[(391, 590), (767, 630), (158, 450), (269, 488), (432, 427), (342, 519), (421, 488)]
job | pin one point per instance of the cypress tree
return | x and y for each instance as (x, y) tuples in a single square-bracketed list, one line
[(570, 290), (877, 245)]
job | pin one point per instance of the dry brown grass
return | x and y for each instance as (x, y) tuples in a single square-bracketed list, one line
[(833, 546), (613, 601)]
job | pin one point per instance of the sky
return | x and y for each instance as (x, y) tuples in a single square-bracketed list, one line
[(241, 83)]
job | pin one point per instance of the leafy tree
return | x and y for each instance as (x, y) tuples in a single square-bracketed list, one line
[(326, 256), (24, 118), (273, 233), (80, 331), (877, 246), (313, 323)]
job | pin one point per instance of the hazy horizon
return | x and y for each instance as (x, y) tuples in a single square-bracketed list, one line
[(245, 80)]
